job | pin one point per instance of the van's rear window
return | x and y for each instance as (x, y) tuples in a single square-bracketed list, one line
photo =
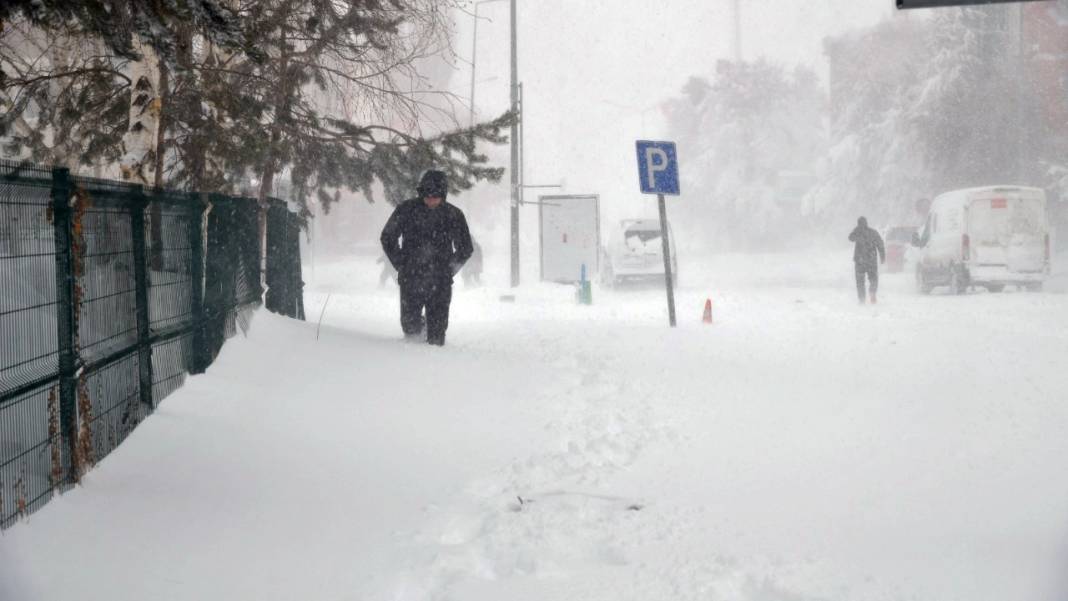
[(999, 219)]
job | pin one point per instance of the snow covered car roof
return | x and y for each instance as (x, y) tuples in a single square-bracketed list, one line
[(641, 224)]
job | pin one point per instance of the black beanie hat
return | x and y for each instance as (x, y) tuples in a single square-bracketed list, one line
[(434, 183)]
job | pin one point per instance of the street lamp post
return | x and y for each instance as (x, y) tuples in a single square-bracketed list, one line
[(737, 12), (515, 155)]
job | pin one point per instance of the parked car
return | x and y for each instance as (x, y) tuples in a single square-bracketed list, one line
[(989, 237), (898, 241), (634, 252)]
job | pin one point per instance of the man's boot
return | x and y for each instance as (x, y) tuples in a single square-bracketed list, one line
[(420, 335), (873, 298)]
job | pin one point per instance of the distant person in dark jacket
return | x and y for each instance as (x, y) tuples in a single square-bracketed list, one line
[(427, 241), (472, 271), (868, 252)]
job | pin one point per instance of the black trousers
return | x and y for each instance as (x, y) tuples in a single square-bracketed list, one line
[(434, 296), (872, 271)]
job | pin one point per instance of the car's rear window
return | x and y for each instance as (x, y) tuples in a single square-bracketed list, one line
[(642, 235)]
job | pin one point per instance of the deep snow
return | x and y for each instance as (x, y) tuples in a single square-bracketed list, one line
[(801, 447)]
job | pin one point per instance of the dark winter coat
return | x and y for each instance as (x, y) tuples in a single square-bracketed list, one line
[(426, 245), (868, 250)]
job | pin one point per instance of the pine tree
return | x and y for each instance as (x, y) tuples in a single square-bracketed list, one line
[(746, 132), (875, 163), (338, 103), (963, 107), (325, 95), (97, 104), (123, 26), (64, 101), (928, 106)]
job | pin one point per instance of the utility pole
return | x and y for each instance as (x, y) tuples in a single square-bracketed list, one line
[(737, 30), (515, 155), (522, 146), (1021, 146), (474, 55)]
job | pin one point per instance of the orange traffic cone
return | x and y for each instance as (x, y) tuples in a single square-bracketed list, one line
[(707, 317)]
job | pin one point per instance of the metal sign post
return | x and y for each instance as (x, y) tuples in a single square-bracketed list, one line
[(668, 279), (658, 173)]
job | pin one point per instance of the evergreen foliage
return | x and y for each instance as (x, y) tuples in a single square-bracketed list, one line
[(322, 95), (749, 135), (116, 22), (955, 108)]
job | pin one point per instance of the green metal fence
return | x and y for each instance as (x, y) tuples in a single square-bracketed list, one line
[(110, 295)]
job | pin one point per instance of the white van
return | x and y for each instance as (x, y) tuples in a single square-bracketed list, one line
[(989, 237), (635, 251)]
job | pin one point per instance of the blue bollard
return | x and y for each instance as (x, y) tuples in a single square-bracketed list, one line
[(584, 294)]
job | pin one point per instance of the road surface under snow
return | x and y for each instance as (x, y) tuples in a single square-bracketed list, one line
[(801, 447)]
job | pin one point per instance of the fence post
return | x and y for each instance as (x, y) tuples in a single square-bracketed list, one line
[(201, 354), (275, 294), (261, 253), (297, 276), (66, 319), (138, 204), (221, 254)]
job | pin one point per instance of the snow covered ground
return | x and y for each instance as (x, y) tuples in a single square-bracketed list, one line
[(802, 447)]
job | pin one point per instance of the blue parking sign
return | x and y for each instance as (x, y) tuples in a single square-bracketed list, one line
[(658, 167)]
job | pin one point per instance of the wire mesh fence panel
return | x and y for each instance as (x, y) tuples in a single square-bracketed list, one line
[(28, 347), (104, 268), (232, 272), (284, 285), (30, 464), (109, 298), (109, 405), (170, 363), (244, 233), (220, 274), (170, 290), (291, 250)]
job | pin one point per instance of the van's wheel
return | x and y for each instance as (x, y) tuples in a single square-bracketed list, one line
[(995, 287), (957, 283), (921, 283)]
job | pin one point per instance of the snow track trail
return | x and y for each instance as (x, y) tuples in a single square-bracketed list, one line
[(548, 516), (556, 525), (802, 448)]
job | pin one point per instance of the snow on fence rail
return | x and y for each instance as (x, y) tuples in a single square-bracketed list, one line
[(110, 294)]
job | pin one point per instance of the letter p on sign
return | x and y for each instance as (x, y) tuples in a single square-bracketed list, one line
[(658, 167)]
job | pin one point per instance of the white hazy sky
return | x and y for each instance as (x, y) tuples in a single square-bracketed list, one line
[(592, 69)]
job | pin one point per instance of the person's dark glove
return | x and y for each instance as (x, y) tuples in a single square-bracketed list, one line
[(455, 267)]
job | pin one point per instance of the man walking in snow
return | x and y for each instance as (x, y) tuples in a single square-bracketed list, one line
[(868, 252), (427, 241)]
